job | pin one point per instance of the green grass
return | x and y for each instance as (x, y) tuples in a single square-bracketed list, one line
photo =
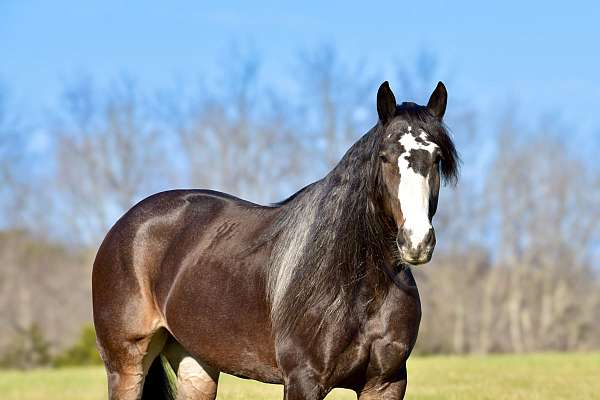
[(531, 377)]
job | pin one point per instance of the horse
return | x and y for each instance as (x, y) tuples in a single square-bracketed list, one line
[(314, 292)]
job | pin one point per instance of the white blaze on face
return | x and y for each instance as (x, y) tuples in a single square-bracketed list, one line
[(413, 190)]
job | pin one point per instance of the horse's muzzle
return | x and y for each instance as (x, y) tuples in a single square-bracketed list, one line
[(419, 254)]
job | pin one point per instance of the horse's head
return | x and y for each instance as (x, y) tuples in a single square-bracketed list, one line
[(415, 153)]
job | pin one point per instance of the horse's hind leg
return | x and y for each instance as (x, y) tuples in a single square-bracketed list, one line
[(127, 362), (195, 379)]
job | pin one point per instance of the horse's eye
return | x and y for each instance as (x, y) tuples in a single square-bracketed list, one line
[(384, 157)]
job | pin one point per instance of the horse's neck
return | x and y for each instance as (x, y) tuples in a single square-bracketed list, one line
[(326, 254)]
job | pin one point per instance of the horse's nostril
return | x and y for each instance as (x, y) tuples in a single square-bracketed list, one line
[(429, 240)]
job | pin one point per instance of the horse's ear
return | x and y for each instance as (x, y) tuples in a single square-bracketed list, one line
[(386, 103), (438, 100)]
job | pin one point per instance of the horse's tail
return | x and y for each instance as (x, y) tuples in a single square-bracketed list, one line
[(158, 385)]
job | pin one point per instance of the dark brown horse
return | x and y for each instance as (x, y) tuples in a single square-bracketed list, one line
[(314, 292)]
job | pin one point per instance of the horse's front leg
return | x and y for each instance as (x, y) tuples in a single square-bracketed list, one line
[(302, 385), (378, 389)]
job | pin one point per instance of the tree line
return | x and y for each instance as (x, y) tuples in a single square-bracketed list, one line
[(516, 268)]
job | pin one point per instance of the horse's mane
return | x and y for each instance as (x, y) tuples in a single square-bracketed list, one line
[(332, 234)]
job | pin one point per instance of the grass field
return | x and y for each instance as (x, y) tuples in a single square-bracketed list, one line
[(538, 376)]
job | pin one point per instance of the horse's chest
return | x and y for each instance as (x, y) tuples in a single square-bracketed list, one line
[(350, 354), (387, 356), (391, 334)]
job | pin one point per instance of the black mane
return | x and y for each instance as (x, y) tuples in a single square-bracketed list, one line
[(349, 235)]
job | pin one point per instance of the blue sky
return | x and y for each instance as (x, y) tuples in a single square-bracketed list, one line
[(545, 54)]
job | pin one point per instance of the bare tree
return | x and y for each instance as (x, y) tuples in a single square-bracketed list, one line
[(239, 140), (108, 155), (14, 185), (44, 296), (338, 102)]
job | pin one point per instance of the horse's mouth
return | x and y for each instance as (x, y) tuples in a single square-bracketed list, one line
[(416, 259)]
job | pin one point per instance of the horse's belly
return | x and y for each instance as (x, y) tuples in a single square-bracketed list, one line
[(220, 315)]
